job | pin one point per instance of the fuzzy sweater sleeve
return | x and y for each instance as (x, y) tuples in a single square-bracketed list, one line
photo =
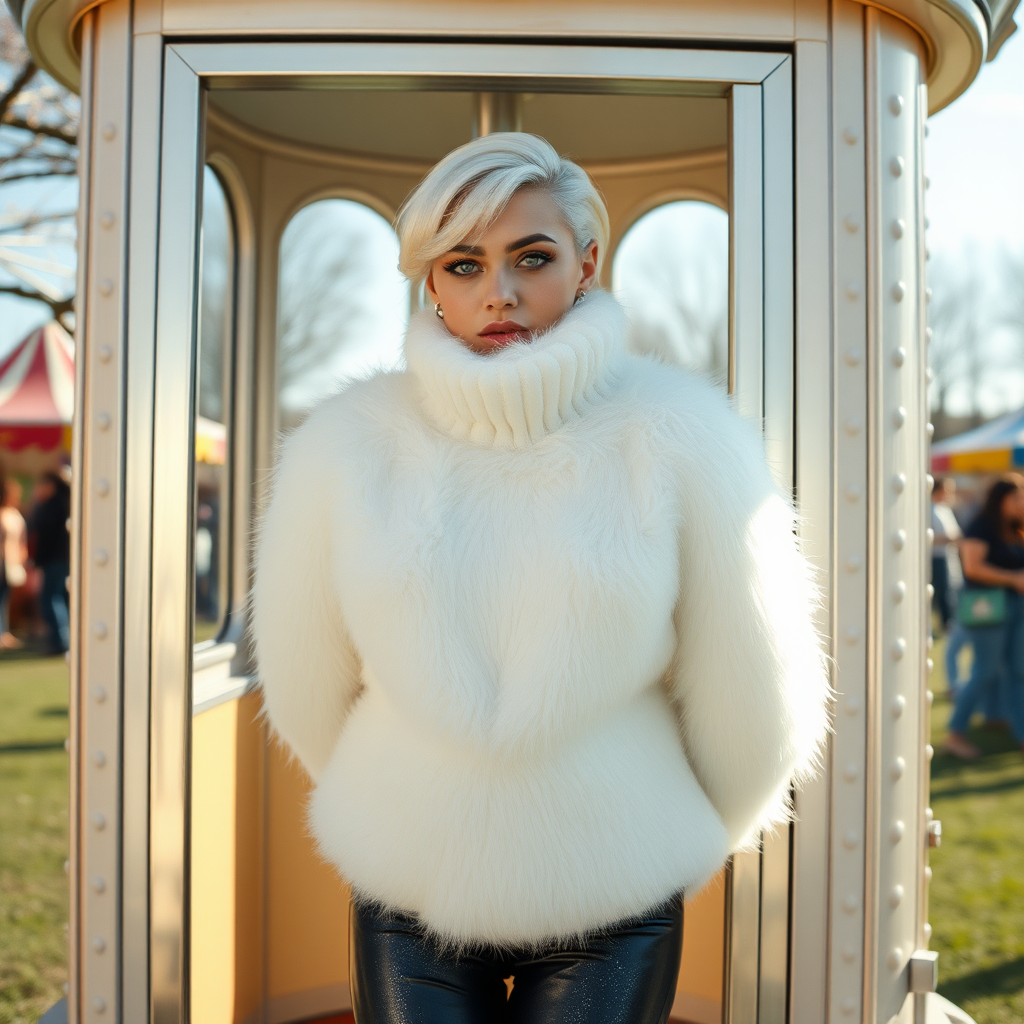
[(308, 669), (749, 677)]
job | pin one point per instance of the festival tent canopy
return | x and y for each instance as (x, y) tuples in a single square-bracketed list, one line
[(37, 390), (993, 448)]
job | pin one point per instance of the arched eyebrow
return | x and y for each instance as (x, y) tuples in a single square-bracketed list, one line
[(528, 240)]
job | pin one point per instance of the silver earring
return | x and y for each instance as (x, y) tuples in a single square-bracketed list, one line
[(438, 311), (580, 296)]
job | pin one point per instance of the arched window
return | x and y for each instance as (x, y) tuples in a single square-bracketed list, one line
[(342, 304), (671, 272), (215, 364)]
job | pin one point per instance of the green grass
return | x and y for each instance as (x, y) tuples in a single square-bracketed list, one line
[(977, 890), (33, 835)]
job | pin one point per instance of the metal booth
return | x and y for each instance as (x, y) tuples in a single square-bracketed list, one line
[(219, 137)]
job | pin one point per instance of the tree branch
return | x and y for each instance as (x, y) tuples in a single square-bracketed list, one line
[(50, 172), (20, 81), (60, 307), (50, 131)]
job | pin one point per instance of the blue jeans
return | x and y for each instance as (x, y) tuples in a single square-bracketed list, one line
[(996, 683), (53, 601)]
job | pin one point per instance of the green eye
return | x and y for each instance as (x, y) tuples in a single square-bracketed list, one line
[(533, 260), (461, 268)]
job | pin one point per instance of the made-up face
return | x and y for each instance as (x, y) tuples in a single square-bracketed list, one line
[(517, 279)]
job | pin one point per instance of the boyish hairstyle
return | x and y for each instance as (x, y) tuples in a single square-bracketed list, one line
[(467, 191)]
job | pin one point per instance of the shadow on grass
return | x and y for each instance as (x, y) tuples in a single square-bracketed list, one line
[(1005, 979), (53, 712), (31, 748)]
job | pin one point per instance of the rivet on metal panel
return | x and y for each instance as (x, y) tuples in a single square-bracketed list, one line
[(899, 648), (897, 830), (851, 772), (98, 884), (927, 926), (849, 954), (934, 833), (106, 286), (899, 289), (929, 374), (848, 1006), (854, 492), (929, 590), (107, 219), (896, 166), (851, 839), (899, 591), (103, 421), (928, 332), (929, 751), (899, 356), (927, 295), (929, 664), (99, 694), (851, 225), (852, 636), (109, 130), (100, 630), (929, 536), (927, 873), (854, 356), (895, 958), (99, 758), (102, 487), (105, 352), (896, 104), (896, 896), (99, 822), (899, 703), (898, 227), (99, 1005), (899, 417), (853, 702), (927, 182), (853, 563), (101, 556), (854, 425), (929, 486), (851, 903), (899, 483), (899, 539), (99, 944), (850, 137), (899, 766), (852, 290), (929, 429)]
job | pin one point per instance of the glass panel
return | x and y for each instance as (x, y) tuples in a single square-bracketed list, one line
[(671, 273), (342, 304), (213, 408)]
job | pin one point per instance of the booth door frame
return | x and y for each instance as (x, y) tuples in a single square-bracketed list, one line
[(760, 88)]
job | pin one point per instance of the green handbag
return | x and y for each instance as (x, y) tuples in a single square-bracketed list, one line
[(981, 607)]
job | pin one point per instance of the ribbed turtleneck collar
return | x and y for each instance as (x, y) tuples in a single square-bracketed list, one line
[(517, 395)]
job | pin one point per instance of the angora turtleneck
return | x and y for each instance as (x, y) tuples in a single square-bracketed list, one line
[(541, 685), (517, 395)]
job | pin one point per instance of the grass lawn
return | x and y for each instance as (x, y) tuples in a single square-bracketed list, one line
[(977, 890), (33, 835)]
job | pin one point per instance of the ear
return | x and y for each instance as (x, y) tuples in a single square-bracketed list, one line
[(429, 282), (588, 269)]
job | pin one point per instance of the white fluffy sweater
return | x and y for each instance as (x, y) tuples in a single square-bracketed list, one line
[(537, 625)]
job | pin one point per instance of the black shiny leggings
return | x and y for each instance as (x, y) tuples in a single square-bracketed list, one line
[(623, 975)]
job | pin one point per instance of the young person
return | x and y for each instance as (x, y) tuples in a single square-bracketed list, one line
[(532, 615)]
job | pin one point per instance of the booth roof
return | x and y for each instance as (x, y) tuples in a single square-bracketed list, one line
[(995, 447), (37, 379)]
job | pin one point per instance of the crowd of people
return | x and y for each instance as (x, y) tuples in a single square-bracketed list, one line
[(978, 580), (34, 564)]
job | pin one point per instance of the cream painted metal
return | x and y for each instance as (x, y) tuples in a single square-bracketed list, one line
[(821, 170)]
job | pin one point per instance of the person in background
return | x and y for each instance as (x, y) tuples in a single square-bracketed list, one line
[(14, 552), (992, 554), (51, 546), (946, 576)]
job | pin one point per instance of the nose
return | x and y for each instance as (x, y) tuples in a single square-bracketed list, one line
[(502, 294)]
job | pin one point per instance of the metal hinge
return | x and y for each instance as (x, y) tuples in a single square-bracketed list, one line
[(923, 970)]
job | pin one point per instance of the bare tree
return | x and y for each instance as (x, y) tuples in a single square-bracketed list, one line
[(38, 141), (1011, 282)]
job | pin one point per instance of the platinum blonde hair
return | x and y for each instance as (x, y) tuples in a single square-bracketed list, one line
[(467, 191)]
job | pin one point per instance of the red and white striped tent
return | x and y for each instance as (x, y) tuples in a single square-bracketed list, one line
[(37, 391)]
